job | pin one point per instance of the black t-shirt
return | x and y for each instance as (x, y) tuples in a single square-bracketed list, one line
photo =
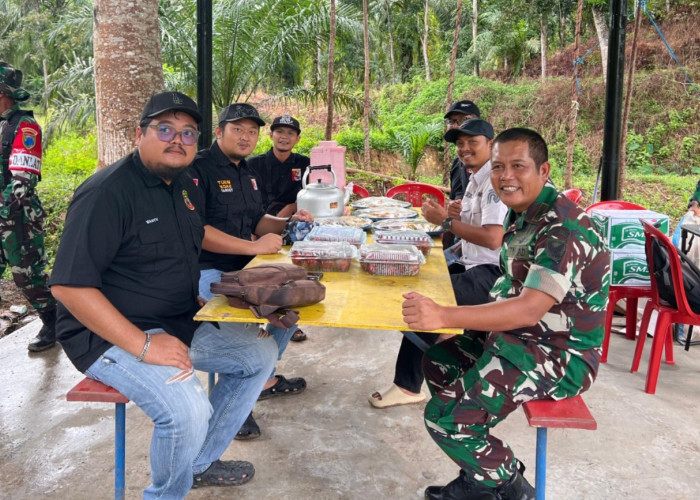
[(280, 181), (232, 203), (459, 178), (137, 240)]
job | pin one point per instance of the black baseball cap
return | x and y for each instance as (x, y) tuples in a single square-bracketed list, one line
[(285, 121), (171, 101), (465, 107), (473, 126), (238, 111)]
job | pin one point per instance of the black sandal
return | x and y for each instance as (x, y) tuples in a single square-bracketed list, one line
[(284, 387), (225, 473), (298, 336), (249, 430)]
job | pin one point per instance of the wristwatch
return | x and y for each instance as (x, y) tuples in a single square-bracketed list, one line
[(447, 224)]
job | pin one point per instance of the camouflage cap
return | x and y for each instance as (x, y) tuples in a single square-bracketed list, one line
[(11, 81)]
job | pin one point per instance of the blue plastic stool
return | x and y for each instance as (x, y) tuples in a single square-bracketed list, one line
[(571, 413), (93, 391)]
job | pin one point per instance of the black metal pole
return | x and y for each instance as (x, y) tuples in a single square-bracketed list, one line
[(610, 161), (204, 54)]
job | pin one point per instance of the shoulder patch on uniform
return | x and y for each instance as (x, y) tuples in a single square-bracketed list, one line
[(557, 241), (25, 154)]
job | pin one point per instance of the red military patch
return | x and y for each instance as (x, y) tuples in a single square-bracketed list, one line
[(26, 149), (254, 183), (296, 174)]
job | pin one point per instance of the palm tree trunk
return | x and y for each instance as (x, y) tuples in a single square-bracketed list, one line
[(475, 18), (628, 101), (331, 55), (601, 28), (543, 47), (573, 117), (128, 69), (426, 61), (365, 114), (451, 82)]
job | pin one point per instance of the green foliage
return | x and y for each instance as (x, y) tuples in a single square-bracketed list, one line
[(66, 164), (412, 145)]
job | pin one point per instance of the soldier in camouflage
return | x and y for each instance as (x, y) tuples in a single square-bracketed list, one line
[(21, 213), (539, 338)]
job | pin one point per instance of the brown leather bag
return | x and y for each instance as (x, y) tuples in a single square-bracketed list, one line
[(270, 290)]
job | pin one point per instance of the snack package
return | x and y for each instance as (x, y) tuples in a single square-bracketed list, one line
[(325, 256), (418, 238), (391, 260)]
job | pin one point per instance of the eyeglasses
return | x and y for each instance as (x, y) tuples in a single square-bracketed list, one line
[(250, 132), (457, 121), (167, 133)]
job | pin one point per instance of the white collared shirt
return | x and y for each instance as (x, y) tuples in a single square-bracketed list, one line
[(481, 206)]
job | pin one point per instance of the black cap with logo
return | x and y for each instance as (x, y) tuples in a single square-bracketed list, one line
[(465, 107), (286, 121), (473, 126), (239, 111), (171, 101)]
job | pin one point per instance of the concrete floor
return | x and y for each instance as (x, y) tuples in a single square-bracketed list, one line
[(328, 443)]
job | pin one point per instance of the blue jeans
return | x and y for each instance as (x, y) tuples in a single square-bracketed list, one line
[(281, 335), (191, 430)]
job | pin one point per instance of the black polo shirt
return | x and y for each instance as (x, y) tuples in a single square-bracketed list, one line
[(232, 202), (281, 181), (137, 240), (459, 178)]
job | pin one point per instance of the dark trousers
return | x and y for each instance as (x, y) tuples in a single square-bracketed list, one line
[(471, 287)]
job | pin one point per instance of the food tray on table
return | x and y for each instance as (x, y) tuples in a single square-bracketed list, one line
[(380, 213), (344, 221), (353, 235), (391, 260), (407, 225), (327, 256), (379, 202), (418, 238)]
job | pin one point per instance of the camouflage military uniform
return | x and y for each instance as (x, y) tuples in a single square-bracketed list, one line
[(21, 213), (477, 379)]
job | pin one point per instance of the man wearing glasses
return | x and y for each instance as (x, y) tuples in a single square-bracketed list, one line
[(126, 277), (459, 112), (233, 204)]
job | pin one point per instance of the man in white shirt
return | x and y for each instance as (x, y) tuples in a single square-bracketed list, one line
[(478, 219)]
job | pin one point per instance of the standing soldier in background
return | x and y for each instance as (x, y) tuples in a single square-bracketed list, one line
[(21, 213)]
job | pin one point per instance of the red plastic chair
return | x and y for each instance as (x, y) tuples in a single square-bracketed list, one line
[(667, 315), (631, 294), (414, 193), (360, 191), (574, 195)]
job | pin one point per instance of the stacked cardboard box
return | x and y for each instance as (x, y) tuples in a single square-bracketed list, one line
[(625, 236)]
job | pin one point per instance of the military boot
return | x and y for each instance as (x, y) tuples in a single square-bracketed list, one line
[(461, 488), (517, 487), (47, 335)]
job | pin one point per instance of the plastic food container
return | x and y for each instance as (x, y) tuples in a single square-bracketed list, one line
[(379, 213), (353, 235), (418, 238), (379, 202), (391, 260), (343, 221), (323, 255), (407, 225)]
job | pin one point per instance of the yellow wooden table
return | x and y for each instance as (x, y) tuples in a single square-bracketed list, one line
[(354, 299)]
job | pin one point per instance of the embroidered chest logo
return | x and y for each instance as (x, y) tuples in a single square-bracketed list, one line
[(186, 197), (225, 185), (254, 183)]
